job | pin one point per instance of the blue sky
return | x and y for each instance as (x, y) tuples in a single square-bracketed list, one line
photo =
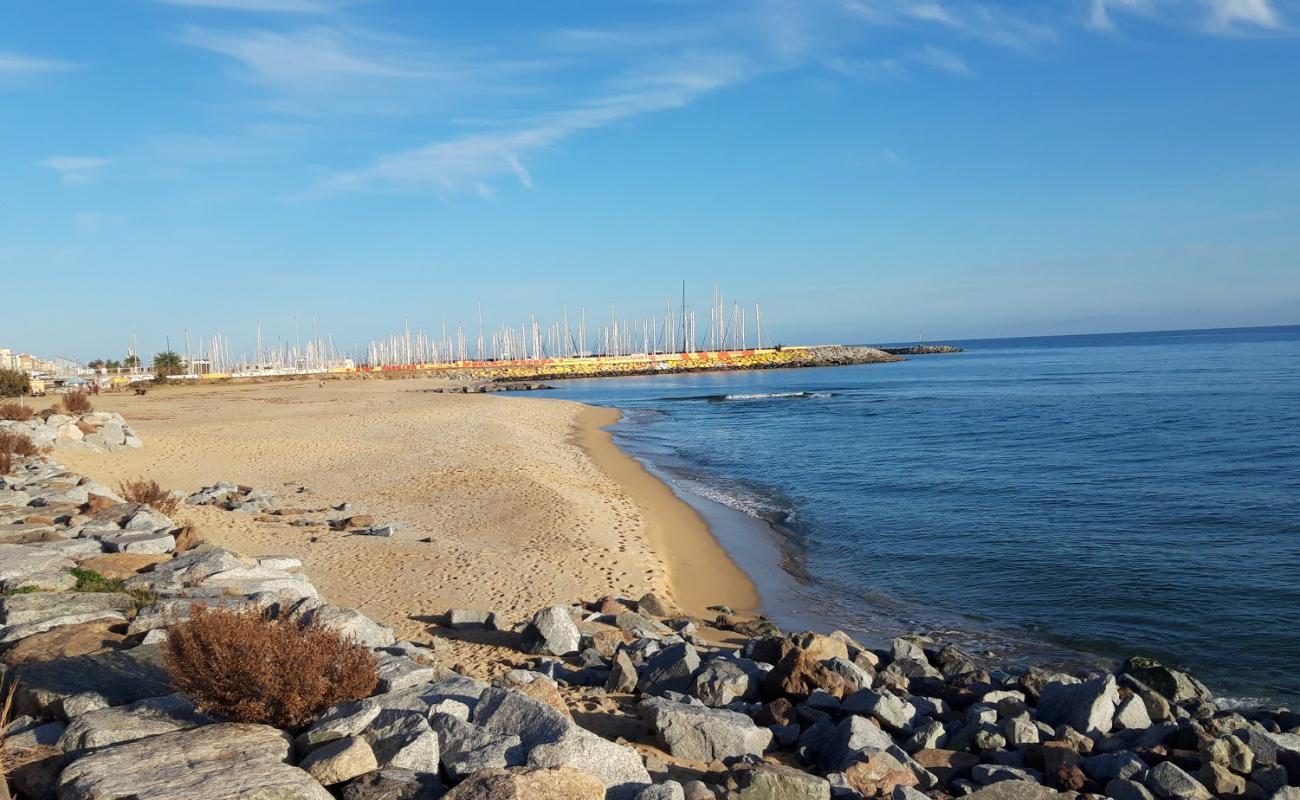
[(865, 169)]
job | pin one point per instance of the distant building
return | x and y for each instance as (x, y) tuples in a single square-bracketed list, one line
[(25, 362)]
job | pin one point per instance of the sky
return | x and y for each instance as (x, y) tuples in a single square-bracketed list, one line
[(866, 170)]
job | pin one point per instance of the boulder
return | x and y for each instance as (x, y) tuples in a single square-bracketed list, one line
[(463, 620), (890, 711), (946, 765), (215, 762), (140, 720), (1132, 714), (672, 669), (143, 542), (1177, 686), (852, 736), (1019, 790), (1087, 707), (20, 560), (655, 606), (704, 734), (528, 784), (622, 674), (1122, 765), (551, 740), (121, 565), (875, 772), (394, 784), (668, 790), (352, 624), (340, 760), (774, 782), (399, 672), (465, 748), (725, 680), (1168, 781), (1121, 789), (798, 674), (402, 738), (81, 639), (118, 677), (553, 632)]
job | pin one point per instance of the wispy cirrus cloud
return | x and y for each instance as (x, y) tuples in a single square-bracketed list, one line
[(472, 162), (16, 64), (1219, 17), (942, 59), (990, 24), (273, 6), (76, 169)]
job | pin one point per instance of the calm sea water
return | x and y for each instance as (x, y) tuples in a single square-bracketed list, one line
[(1111, 494)]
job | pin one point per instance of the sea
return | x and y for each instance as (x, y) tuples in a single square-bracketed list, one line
[(1064, 499)]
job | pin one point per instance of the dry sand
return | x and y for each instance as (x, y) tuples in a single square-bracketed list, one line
[(527, 502)]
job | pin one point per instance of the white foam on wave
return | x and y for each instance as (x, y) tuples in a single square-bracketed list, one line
[(774, 395)]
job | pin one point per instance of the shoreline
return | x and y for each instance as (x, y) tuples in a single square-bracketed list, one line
[(693, 555)]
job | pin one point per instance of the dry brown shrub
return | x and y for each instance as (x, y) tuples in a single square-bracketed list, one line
[(246, 666), (77, 403), (14, 444), (8, 759), (16, 411), (149, 493)]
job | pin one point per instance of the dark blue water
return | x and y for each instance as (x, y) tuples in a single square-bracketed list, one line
[(1112, 494)]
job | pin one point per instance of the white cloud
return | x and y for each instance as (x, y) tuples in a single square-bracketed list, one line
[(941, 59), (470, 163), (16, 64), (989, 24), (295, 6), (1222, 17), (76, 169)]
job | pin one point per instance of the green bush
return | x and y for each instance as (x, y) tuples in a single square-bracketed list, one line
[(13, 383)]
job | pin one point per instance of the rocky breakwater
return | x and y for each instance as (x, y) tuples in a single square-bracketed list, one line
[(815, 716), (97, 431), (291, 507)]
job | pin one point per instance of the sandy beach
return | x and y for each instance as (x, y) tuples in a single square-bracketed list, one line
[(524, 501)]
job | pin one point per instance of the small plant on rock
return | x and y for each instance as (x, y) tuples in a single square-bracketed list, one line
[(16, 411), (149, 493), (248, 666), (77, 403)]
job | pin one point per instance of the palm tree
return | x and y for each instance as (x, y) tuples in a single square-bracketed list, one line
[(168, 363), (131, 361)]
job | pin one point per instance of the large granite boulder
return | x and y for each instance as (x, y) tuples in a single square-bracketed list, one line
[(552, 632), (140, 720), (704, 734), (528, 784), (774, 782), (215, 762), (118, 678), (1088, 707)]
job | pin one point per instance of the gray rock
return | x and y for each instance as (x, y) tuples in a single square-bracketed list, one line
[(215, 762), (668, 790), (704, 734), (1087, 707), (1019, 790), (889, 710), (340, 760), (1167, 781), (1122, 765), (552, 740), (118, 677), (985, 774), (394, 784), (1122, 789), (724, 680), (399, 672), (20, 560), (1132, 714), (25, 609), (33, 735), (852, 736), (1175, 685), (772, 782), (463, 620), (553, 632), (466, 748), (403, 739), (622, 674), (145, 542), (352, 624), (130, 723), (672, 669)]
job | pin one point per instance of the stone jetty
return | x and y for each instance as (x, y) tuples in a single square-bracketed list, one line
[(97, 431)]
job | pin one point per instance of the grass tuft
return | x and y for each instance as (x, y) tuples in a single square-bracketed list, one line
[(149, 493)]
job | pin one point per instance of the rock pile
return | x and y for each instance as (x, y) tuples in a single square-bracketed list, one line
[(97, 431), (271, 506)]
